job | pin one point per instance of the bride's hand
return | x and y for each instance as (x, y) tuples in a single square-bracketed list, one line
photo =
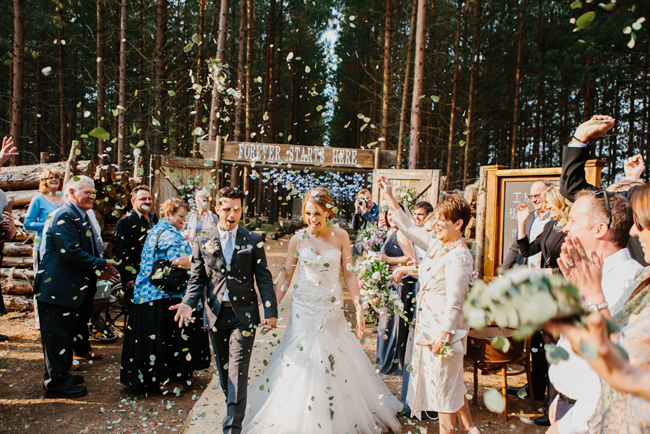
[(361, 322)]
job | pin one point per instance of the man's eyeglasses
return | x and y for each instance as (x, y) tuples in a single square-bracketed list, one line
[(603, 193), (534, 196)]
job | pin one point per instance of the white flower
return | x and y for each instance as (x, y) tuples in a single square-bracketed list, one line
[(376, 275), (212, 246)]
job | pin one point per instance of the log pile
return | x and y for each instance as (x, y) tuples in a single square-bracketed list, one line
[(20, 183)]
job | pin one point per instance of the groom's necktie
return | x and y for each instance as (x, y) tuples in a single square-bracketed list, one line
[(228, 248)]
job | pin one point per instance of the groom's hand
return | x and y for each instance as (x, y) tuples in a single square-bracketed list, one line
[(183, 314), (270, 323)]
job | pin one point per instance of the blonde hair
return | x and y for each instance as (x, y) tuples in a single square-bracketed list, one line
[(320, 197), (172, 205), (551, 197), (47, 172), (624, 185)]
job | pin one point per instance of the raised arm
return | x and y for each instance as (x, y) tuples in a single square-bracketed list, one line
[(575, 155), (418, 236), (286, 273)]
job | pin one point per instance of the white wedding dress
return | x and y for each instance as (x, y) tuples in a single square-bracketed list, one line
[(319, 379)]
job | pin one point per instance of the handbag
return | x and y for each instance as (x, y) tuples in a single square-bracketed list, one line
[(165, 276), (425, 334)]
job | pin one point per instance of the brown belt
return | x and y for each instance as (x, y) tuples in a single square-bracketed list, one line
[(226, 303)]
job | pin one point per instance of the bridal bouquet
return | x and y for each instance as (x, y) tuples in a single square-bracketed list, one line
[(378, 294), (406, 196), (524, 299), (371, 238)]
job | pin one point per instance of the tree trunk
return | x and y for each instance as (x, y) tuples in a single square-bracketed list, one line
[(454, 97), (141, 95), (37, 108), (386, 76), (18, 92), (121, 130), (63, 122), (241, 60), (249, 83), (273, 112), (101, 85), (159, 72), (515, 120), (268, 73), (199, 79), (471, 127), (418, 84), (217, 73), (405, 92), (589, 96)]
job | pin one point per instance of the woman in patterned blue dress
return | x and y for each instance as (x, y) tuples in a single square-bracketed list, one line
[(156, 354)]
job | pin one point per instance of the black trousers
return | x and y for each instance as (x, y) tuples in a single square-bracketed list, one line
[(539, 372), (81, 344), (232, 352), (58, 326)]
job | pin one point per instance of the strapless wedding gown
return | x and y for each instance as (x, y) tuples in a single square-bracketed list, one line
[(319, 379)]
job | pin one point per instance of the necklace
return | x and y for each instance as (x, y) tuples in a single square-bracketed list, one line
[(444, 249)]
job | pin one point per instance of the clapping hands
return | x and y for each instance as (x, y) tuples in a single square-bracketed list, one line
[(634, 167), (582, 269)]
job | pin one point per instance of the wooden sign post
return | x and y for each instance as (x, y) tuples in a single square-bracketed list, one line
[(506, 189)]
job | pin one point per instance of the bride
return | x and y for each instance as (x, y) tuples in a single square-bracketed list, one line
[(320, 379)]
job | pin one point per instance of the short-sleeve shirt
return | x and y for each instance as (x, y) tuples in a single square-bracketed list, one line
[(171, 245)]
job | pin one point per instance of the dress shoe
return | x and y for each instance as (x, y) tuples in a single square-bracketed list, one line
[(91, 355), (3, 338), (78, 379), (71, 392), (429, 415), (516, 390), (75, 365), (543, 421)]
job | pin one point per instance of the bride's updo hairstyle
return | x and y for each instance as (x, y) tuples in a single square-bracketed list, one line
[(321, 197)]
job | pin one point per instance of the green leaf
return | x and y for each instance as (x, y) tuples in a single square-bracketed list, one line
[(585, 20), (171, 93), (608, 7), (100, 133), (588, 350), (435, 98), (196, 38), (555, 354), (576, 5)]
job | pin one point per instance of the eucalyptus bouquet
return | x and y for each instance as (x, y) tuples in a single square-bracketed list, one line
[(371, 238), (378, 295), (524, 299), (407, 197)]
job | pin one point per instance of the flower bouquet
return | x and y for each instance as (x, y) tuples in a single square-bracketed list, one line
[(378, 295), (524, 299), (406, 196), (371, 238)]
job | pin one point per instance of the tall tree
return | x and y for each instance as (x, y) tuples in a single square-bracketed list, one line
[(63, 120), (471, 127), (405, 90), (18, 94), (218, 71), (239, 109), (386, 75), (418, 85), (101, 84), (199, 79), (121, 130), (159, 75), (515, 120), (454, 97)]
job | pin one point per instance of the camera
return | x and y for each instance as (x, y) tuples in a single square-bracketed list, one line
[(362, 202)]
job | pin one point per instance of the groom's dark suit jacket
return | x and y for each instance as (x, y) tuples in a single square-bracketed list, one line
[(210, 276)]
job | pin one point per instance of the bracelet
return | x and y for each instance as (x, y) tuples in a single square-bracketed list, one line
[(581, 141)]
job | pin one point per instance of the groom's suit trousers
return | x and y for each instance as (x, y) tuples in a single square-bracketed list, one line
[(233, 355)]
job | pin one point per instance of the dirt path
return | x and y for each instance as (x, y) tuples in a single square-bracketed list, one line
[(112, 407)]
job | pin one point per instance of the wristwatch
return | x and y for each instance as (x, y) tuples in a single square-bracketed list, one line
[(593, 307)]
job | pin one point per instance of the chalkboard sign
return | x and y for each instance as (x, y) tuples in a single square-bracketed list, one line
[(515, 192)]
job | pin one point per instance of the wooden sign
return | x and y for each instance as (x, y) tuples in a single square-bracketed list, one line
[(506, 189), (296, 155)]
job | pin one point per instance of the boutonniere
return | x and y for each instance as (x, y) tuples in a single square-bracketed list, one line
[(211, 246)]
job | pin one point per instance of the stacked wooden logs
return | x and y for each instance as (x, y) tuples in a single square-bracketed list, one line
[(20, 183)]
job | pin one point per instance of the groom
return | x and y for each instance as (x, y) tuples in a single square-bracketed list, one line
[(225, 264)]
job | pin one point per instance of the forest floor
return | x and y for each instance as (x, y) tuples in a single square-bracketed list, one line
[(112, 407)]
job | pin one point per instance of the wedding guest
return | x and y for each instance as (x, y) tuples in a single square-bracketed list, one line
[(201, 220), (421, 212), (365, 213), (7, 226), (617, 412), (130, 235), (601, 221), (157, 354), (437, 382), (392, 331), (534, 226), (65, 287), (576, 154)]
